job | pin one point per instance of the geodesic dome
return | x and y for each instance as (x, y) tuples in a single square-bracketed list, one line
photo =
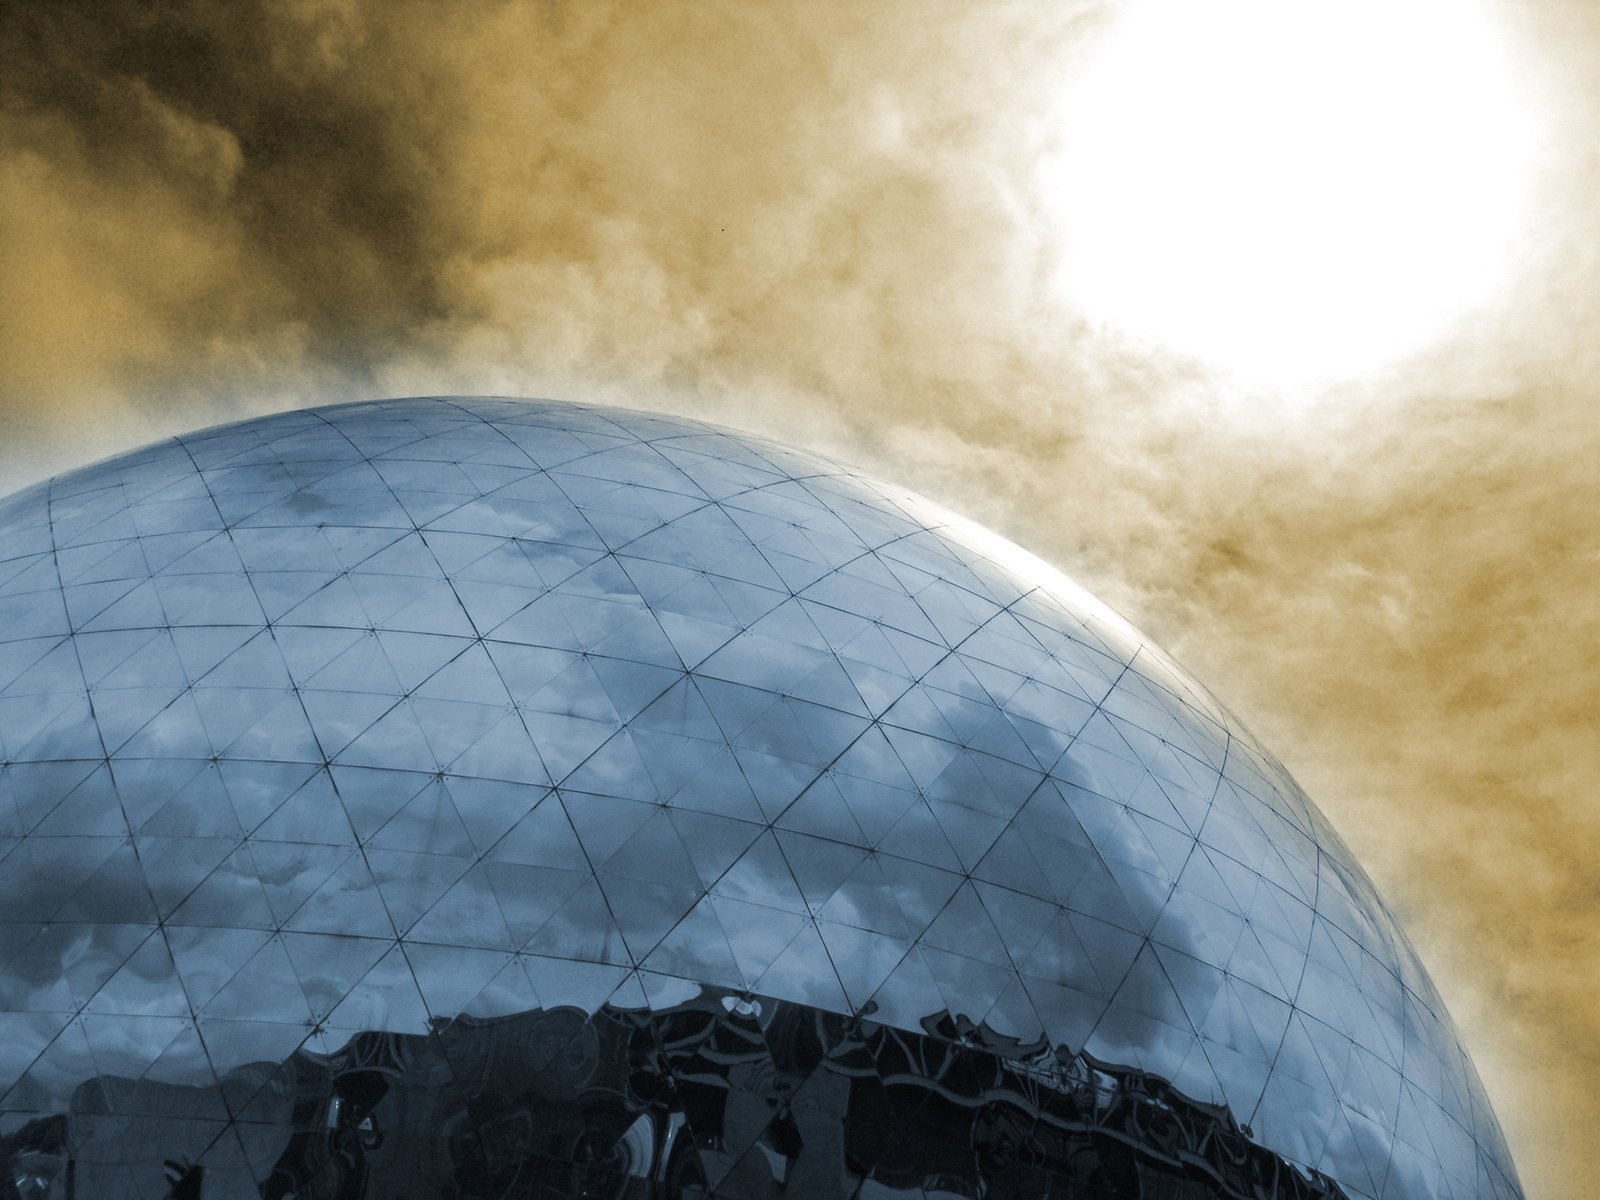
[(502, 795)]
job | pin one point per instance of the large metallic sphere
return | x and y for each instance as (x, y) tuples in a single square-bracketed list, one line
[(479, 797)]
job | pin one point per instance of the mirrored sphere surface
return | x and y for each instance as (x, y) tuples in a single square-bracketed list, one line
[(352, 743)]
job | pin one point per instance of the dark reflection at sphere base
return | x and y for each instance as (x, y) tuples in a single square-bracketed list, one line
[(746, 1098)]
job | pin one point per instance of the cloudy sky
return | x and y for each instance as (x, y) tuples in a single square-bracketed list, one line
[(1269, 323)]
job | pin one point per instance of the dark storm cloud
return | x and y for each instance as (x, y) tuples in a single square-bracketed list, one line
[(712, 203), (822, 222), (251, 121)]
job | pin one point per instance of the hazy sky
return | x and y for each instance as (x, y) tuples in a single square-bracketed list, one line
[(1346, 467)]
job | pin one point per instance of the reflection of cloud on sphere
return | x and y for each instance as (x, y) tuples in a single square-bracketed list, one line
[(346, 733)]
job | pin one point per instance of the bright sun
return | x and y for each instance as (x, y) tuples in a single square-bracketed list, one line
[(1293, 192)]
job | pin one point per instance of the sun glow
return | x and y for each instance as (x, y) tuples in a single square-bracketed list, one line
[(1292, 192)]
